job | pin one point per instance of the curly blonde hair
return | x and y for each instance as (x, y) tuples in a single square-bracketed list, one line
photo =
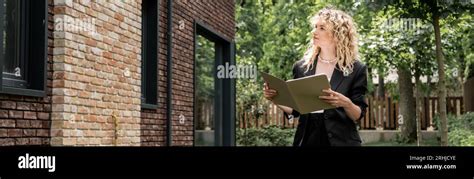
[(344, 32)]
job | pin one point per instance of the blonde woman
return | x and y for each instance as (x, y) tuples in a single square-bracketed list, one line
[(332, 51)]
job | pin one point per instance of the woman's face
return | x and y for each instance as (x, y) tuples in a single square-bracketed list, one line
[(322, 35)]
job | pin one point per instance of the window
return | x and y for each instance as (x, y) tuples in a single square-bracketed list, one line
[(205, 89), (214, 98), (23, 31), (149, 53)]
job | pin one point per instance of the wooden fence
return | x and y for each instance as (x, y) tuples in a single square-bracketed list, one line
[(269, 116), (381, 113)]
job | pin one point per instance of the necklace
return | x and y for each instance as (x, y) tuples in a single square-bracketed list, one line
[(326, 61)]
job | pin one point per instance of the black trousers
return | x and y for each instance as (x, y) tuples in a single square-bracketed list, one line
[(314, 133)]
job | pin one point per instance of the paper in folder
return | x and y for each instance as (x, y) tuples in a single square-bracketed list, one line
[(301, 94)]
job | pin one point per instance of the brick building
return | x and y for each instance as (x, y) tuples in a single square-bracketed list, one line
[(95, 72)]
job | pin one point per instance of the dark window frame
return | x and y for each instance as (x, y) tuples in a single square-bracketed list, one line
[(30, 43), (224, 104), (150, 30)]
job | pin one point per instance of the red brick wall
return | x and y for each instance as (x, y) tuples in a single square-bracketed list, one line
[(96, 80), (218, 15), (86, 88), (26, 120)]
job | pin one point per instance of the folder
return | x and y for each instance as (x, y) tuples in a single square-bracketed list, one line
[(301, 94)]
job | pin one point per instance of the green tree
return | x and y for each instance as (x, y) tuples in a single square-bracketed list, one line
[(426, 11), (433, 11)]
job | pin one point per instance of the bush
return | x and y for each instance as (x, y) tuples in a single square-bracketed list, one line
[(461, 130), (469, 141), (266, 136), (399, 139), (461, 137), (465, 121), (469, 120), (453, 122)]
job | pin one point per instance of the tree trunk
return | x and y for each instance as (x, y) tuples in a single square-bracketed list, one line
[(428, 89), (407, 104), (419, 107), (441, 80), (461, 78), (381, 86)]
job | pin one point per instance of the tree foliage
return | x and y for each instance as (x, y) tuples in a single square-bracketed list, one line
[(393, 34)]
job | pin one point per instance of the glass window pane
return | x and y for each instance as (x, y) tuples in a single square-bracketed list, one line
[(11, 38), (205, 66), (149, 51), (15, 51)]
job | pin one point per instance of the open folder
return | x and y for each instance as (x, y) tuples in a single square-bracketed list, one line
[(301, 94)]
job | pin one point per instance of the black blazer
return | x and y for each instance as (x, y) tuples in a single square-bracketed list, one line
[(342, 130)]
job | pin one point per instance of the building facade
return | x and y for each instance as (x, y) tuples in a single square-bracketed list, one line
[(95, 72)]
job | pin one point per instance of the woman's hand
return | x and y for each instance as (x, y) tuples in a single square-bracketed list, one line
[(268, 93), (339, 100), (336, 99)]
